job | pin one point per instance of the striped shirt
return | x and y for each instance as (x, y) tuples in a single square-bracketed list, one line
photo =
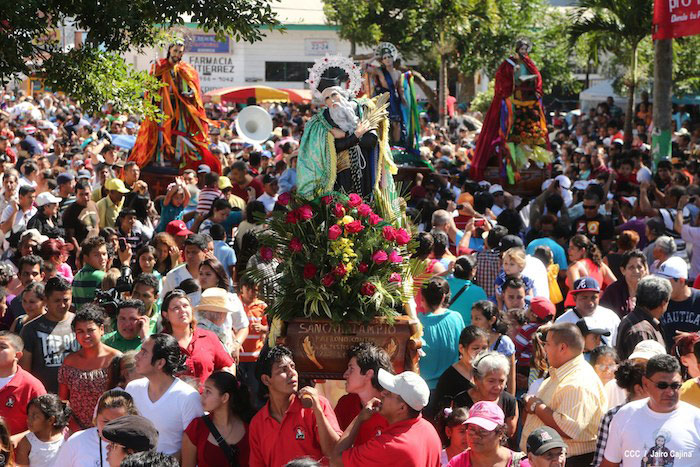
[(85, 282), (206, 198), (577, 397), (523, 343), (254, 342)]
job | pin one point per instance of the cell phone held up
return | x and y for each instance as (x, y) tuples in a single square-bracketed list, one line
[(122, 244)]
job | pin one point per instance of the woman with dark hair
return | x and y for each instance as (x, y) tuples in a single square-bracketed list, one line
[(34, 304), (620, 296), (167, 253), (205, 353), (462, 290), (219, 212), (485, 315), (228, 403), (84, 375), (626, 241), (430, 266), (441, 330), (585, 260)]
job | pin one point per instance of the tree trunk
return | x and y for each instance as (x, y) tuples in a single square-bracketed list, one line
[(632, 87), (443, 91), (353, 47), (467, 88), (663, 91)]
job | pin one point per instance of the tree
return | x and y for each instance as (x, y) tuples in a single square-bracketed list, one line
[(28, 44), (625, 22)]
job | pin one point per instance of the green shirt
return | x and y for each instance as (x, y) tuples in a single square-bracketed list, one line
[(84, 284), (117, 341)]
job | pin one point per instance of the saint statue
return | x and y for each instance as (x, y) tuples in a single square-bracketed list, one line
[(514, 129), (345, 146), (182, 138), (388, 79)]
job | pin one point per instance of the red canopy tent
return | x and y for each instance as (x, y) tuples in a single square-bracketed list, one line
[(298, 96), (241, 95)]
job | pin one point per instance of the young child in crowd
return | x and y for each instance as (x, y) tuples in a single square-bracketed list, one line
[(604, 360), (257, 331), (177, 197), (146, 261), (513, 264), (541, 311), (47, 419), (452, 429), (592, 333), (544, 254), (209, 193)]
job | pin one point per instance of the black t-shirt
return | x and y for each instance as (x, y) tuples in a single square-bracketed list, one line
[(72, 222), (597, 229), (681, 316), (451, 385)]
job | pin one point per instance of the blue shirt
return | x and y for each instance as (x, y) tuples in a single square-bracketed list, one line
[(169, 213), (232, 220), (287, 180), (463, 305), (440, 344), (505, 346), (557, 251), (225, 255)]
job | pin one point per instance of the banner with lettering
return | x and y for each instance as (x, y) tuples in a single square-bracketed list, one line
[(676, 18)]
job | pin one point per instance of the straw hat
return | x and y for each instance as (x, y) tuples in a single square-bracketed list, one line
[(215, 299)]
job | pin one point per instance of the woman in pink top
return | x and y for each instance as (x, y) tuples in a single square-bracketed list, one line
[(56, 252), (486, 430), (585, 260)]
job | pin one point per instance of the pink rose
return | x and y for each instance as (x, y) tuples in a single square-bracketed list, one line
[(338, 210), (368, 289), (354, 227), (340, 271), (295, 245), (266, 253), (379, 257), (363, 268), (395, 257), (327, 200), (354, 200), (305, 212), (395, 277), (402, 236), (291, 217), (328, 280), (310, 271), (284, 199), (334, 232), (364, 210), (388, 233), (374, 219)]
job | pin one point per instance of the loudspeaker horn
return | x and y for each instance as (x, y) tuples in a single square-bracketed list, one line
[(254, 124)]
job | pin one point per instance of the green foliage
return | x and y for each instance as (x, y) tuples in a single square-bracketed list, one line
[(112, 27), (686, 65), (482, 101)]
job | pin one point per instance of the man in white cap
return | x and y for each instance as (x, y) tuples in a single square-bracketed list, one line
[(45, 219), (409, 438), (683, 312), (499, 199)]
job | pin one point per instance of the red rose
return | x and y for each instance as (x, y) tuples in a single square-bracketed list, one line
[(295, 245), (328, 280), (374, 219), (402, 236), (354, 200), (388, 233), (291, 217), (395, 257), (327, 200), (309, 271), (368, 289), (305, 212), (395, 277), (354, 227), (379, 257), (340, 271), (284, 199), (338, 210), (334, 232), (266, 253), (364, 210), (363, 268)]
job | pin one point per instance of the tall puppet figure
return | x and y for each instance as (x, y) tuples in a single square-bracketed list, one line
[(181, 139), (388, 79), (514, 129)]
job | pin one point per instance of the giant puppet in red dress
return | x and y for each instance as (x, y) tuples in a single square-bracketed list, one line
[(181, 139), (514, 129)]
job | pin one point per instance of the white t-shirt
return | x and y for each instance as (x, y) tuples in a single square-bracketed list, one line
[(268, 201), (535, 269), (82, 450), (637, 432), (174, 277), (4, 381), (606, 319), (170, 414)]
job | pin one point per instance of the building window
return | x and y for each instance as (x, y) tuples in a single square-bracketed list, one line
[(287, 71)]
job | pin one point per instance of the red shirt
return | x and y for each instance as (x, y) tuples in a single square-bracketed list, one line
[(413, 442), (15, 396), (347, 409), (273, 444), (242, 193), (205, 354), (211, 454)]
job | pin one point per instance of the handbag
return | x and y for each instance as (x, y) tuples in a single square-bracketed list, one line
[(230, 451)]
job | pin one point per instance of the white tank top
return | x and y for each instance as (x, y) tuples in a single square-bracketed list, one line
[(43, 453)]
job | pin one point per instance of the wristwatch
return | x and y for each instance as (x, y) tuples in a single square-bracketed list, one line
[(533, 405)]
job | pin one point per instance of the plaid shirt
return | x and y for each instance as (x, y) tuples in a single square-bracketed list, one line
[(603, 435), (487, 268)]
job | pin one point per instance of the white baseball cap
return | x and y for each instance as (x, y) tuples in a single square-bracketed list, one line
[(564, 181), (47, 198), (673, 268), (411, 387), (495, 189), (647, 349)]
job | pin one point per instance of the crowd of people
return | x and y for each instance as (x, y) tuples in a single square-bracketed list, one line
[(558, 329)]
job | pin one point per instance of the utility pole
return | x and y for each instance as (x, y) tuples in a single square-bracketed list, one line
[(663, 91)]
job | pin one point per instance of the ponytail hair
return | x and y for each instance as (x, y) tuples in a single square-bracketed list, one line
[(450, 417), (239, 397), (490, 311), (51, 406), (591, 249)]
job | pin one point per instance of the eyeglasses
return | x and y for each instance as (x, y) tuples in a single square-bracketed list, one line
[(664, 385), (590, 207), (611, 367), (476, 431)]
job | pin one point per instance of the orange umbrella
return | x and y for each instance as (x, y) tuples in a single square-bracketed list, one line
[(242, 94), (298, 96)]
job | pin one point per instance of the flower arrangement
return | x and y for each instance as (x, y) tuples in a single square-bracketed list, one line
[(339, 259)]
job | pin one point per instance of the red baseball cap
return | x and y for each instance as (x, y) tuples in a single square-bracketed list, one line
[(178, 229), (542, 307)]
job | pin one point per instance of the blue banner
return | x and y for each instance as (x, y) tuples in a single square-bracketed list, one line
[(206, 43)]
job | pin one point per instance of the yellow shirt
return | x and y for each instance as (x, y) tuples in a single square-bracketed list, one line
[(690, 392), (107, 212), (577, 397)]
